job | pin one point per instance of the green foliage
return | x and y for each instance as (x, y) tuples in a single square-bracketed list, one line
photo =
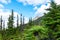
[(42, 33), (52, 20), (48, 27)]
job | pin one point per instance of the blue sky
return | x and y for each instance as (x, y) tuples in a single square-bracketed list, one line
[(28, 8), (19, 6)]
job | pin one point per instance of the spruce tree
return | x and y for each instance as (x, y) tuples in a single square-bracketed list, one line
[(1, 24), (30, 21), (17, 21), (4, 24), (23, 20), (23, 23), (52, 20), (1, 31), (10, 20), (10, 24)]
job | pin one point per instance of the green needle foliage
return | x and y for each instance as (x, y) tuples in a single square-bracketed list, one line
[(10, 20), (32, 33), (48, 27), (52, 20)]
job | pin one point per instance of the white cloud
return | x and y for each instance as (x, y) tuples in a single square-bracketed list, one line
[(26, 20), (15, 18), (33, 2), (1, 6), (57, 1), (5, 1), (35, 8), (5, 16), (41, 10)]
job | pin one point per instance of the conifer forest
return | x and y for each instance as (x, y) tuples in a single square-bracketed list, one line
[(46, 27)]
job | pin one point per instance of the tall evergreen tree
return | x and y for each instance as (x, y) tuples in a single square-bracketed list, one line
[(1, 24), (11, 20), (4, 24), (52, 19), (17, 21), (30, 21), (23, 20)]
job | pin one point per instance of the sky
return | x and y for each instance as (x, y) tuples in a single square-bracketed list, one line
[(28, 8)]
